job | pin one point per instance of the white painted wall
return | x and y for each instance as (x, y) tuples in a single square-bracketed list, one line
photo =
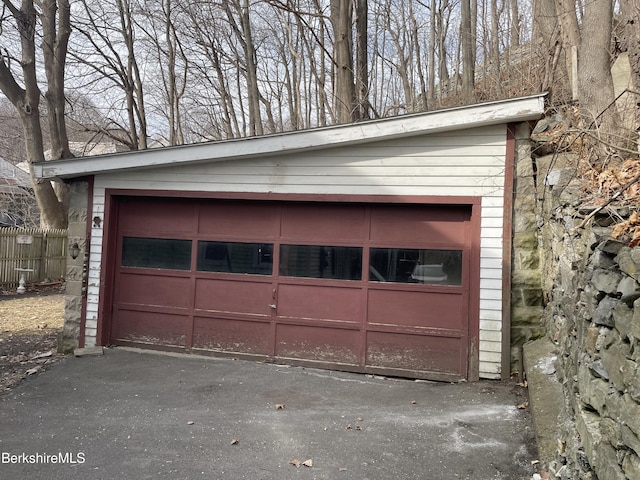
[(460, 163)]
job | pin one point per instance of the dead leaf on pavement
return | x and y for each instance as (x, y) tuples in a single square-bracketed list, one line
[(280, 406), (33, 370), (235, 441), (348, 427), (43, 355), (359, 419), (296, 463), (413, 402), (190, 422), (342, 469), (308, 463), (523, 405)]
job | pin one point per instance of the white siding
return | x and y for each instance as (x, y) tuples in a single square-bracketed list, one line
[(463, 163)]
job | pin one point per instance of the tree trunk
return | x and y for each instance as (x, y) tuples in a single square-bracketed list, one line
[(594, 68), (415, 39), (325, 110), (631, 40), (546, 44), (54, 47), (431, 48), (52, 210), (442, 23), (514, 30), (344, 87), (133, 80), (568, 20), (543, 24), (255, 122), (494, 48), (466, 42), (631, 20), (174, 89), (362, 60), (473, 21)]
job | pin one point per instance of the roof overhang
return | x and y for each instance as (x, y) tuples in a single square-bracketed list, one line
[(484, 114)]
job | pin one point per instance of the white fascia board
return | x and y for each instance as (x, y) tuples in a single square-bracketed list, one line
[(492, 113)]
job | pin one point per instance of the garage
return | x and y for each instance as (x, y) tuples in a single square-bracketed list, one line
[(361, 286), (381, 247)]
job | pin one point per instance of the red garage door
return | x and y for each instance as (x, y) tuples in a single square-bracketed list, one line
[(360, 287)]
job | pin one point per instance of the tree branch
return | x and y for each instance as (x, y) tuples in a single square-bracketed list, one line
[(8, 84)]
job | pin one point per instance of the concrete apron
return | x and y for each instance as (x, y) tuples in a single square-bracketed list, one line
[(133, 415)]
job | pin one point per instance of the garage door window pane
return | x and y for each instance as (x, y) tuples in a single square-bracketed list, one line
[(156, 253), (315, 261), (401, 265), (235, 257)]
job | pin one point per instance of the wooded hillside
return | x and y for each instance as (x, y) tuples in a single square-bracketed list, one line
[(150, 72)]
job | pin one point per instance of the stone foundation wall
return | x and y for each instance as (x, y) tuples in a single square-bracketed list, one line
[(77, 232), (592, 314), (526, 283)]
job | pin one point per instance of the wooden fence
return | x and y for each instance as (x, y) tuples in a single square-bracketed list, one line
[(39, 254)]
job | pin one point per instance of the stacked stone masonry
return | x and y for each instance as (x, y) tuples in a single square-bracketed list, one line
[(526, 288), (77, 233), (591, 288)]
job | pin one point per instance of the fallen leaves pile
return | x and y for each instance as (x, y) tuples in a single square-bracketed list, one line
[(618, 185), (600, 185), (628, 230)]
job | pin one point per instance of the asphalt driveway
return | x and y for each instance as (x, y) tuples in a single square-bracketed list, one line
[(131, 415)]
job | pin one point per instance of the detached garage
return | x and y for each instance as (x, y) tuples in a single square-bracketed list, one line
[(379, 247)]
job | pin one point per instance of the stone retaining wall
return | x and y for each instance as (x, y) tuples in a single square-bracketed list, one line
[(592, 314)]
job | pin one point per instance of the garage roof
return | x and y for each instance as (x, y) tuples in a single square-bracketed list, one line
[(484, 114)]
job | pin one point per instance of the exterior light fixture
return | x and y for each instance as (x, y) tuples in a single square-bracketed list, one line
[(74, 250)]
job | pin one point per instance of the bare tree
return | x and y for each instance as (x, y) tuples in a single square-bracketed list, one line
[(108, 52), (246, 39), (441, 13), (20, 85), (290, 50), (547, 48), (214, 101), (161, 32)]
